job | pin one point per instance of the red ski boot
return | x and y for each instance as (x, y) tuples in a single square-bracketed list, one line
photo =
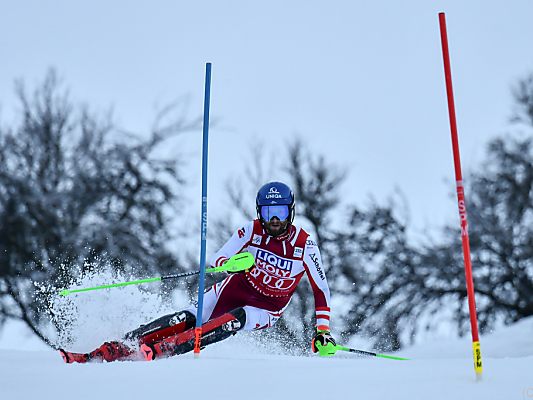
[(111, 351), (70, 358)]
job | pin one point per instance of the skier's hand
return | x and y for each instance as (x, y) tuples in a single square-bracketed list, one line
[(324, 344)]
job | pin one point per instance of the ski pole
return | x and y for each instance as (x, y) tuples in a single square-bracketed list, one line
[(239, 262), (369, 353)]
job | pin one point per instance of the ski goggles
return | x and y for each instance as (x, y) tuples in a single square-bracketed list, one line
[(269, 212)]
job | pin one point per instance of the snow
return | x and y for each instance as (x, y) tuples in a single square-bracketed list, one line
[(239, 368)]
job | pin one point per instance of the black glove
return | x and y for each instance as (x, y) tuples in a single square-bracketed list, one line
[(324, 344)]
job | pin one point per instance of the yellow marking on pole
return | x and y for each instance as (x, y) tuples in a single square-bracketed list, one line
[(478, 364)]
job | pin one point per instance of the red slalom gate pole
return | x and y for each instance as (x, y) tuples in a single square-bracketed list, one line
[(478, 365)]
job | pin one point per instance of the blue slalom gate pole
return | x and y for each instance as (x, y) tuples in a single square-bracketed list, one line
[(203, 241)]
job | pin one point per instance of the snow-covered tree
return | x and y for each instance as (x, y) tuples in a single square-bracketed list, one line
[(390, 288), (74, 188), (500, 214)]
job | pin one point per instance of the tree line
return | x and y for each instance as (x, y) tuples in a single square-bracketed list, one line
[(74, 188)]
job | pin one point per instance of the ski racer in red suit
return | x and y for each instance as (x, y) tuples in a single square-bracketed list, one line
[(249, 300)]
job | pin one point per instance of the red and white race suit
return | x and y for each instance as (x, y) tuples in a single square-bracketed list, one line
[(266, 289)]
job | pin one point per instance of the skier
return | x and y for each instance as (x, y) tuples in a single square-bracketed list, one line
[(248, 300)]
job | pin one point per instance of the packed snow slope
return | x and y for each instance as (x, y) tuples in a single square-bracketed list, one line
[(238, 369)]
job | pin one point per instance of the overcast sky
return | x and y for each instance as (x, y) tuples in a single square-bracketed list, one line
[(360, 81)]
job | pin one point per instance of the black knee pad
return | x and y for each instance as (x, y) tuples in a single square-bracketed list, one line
[(240, 315), (190, 318)]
